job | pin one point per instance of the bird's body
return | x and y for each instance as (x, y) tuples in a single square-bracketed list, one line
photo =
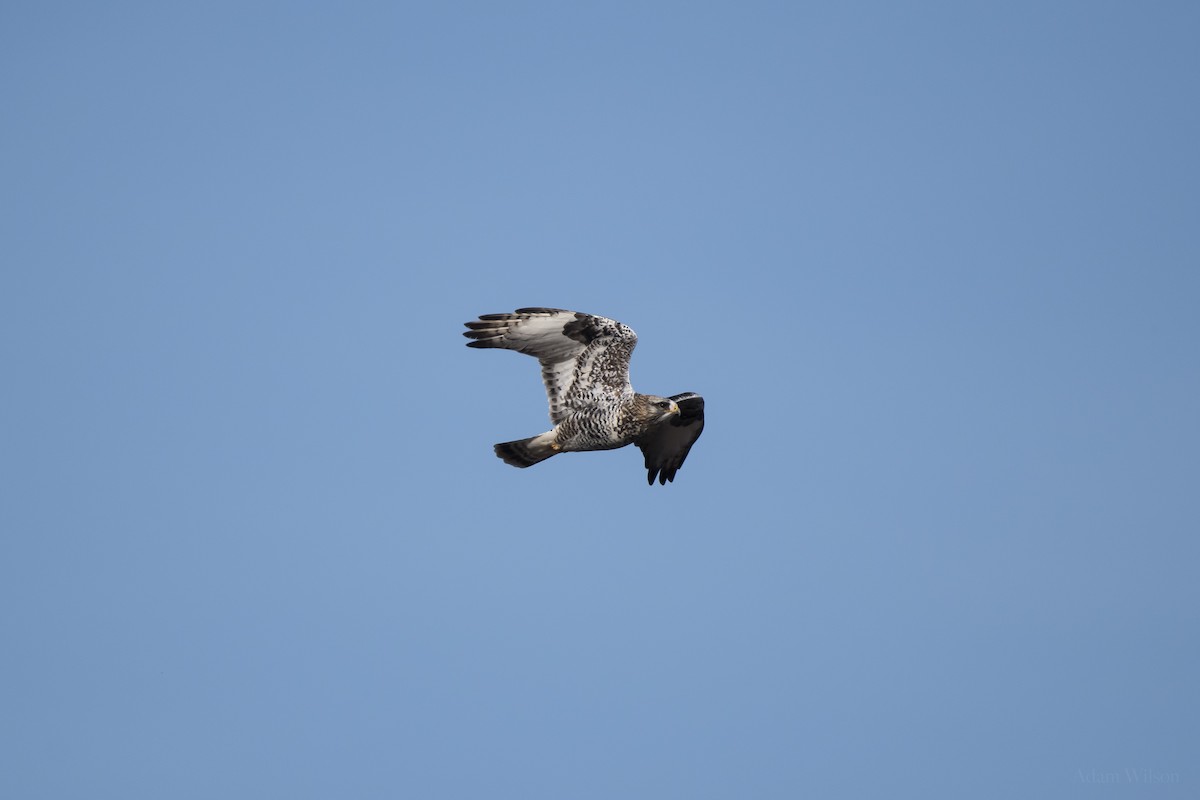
[(585, 367)]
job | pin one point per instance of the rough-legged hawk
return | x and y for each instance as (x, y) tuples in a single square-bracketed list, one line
[(585, 366)]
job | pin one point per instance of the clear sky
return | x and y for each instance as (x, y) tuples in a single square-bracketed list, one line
[(934, 266)]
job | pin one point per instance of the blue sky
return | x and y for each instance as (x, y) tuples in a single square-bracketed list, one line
[(934, 267)]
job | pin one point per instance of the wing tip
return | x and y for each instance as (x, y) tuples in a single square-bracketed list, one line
[(483, 338), (665, 475), (527, 311), (542, 310)]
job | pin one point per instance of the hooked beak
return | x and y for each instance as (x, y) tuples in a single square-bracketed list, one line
[(674, 407)]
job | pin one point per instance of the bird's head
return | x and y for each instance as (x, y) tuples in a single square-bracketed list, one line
[(663, 406)]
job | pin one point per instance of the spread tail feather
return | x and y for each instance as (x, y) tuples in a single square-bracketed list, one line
[(527, 452)]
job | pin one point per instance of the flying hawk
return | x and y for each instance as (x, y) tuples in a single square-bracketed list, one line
[(585, 366)]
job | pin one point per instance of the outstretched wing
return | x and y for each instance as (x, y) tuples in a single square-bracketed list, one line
[(584, 358), (666, 445)]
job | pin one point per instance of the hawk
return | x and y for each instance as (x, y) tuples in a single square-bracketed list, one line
[(585, 366)]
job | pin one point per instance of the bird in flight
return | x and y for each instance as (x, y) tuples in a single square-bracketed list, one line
[(585, 366)]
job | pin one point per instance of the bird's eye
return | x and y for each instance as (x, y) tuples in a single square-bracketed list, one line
[(663, 404)]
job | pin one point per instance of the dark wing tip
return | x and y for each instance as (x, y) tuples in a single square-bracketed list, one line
[(486, 331), (484, 338), (491, 328), (665, 475)]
